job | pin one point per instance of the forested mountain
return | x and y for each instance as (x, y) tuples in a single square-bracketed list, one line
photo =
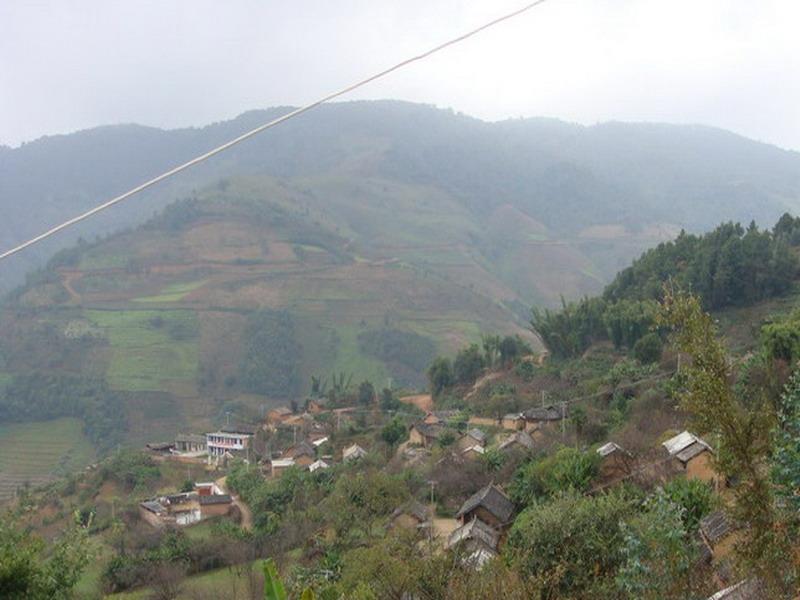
[(555, 207), (356, 242)]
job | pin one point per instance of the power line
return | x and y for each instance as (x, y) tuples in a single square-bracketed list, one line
[(264, 127)]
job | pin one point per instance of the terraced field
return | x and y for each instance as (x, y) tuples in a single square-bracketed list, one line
[(150, 349), (36, 453)]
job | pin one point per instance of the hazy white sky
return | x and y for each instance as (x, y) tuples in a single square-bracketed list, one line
[(169, 63)]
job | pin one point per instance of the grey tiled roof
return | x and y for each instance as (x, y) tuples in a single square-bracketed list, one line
[(715, 527), (492, 499), (217, 499), (546, 413), (474, 530)]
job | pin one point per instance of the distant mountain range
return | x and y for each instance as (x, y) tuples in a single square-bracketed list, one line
[(361, 239), (553, 208)]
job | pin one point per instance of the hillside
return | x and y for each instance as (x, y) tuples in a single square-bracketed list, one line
[(556, 208), (360, 241), (232, 301)]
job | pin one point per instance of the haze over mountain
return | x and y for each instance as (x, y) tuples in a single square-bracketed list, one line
[(566, 205), (361, 239)]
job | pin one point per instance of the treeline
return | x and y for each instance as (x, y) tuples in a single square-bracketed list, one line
[(471, 361), (271, 354), (39, 396), (730, 266)]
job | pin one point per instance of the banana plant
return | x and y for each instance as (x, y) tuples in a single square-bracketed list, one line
[(273, 586)]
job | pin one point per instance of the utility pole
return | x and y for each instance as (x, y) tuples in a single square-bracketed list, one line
[(227, 419), (544, 395), (563, 418), (430, 524)]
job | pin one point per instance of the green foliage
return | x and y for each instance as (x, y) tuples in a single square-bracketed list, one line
[(511, 348), (446, 439), (468, 365), (358, 500), (566, 470), (131, 469), (627, 321), (271, 354), (780, 338), (273, 586), (648, 349), (38, 396), (695, 499), (525, 370), (573, 543), (728, 266), (743, 434), (394, 432), (440, 375), (366, 393), (388, 400), (658, 553), (29, 571), (569, 332), (785, 461), (787, 229)]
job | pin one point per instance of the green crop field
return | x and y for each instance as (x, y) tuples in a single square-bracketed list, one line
[(150, 348), (173, 293), (36, 453)]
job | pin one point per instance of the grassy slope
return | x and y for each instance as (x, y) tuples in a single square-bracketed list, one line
[(146, 357), (39, 452)]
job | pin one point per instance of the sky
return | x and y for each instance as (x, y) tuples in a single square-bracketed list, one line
[(66, 66)]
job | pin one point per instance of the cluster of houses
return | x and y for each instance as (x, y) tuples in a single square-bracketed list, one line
[(483, 520), (213, 448), (206, 500)]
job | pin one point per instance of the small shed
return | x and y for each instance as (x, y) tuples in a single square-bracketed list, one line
[(412, 514), (353, 452), (693, 455), (615, 462)]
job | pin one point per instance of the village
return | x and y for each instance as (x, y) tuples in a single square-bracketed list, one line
[(314, 440)]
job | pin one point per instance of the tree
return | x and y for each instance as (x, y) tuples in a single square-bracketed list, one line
[(468, 365), (695, 499), (271, 354), (388, 400), (393, 432), (658, 553), (572, 543), (785, 470), (567, 470), (511, 348), (491, 349), (742, 431), (648, 349), (366, 393), (440, 375), (447, 438), (29, 572)]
